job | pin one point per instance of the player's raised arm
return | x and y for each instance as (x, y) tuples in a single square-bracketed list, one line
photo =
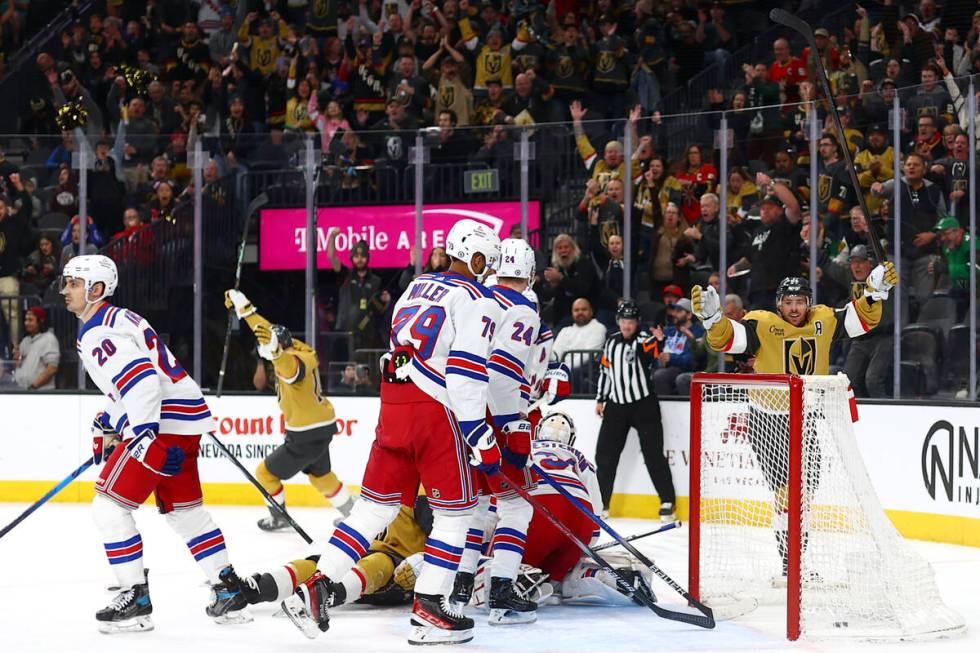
[(864, 313), (724, 334)]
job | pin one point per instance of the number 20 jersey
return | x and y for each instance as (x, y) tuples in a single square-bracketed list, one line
[(146, 386), (449, 321)]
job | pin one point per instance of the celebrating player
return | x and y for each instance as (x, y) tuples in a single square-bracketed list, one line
[(513, 346), (433, 405), (310, 420), (797, 340), (159, 414)]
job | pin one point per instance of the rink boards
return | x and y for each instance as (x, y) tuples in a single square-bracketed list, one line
[(923, 460)]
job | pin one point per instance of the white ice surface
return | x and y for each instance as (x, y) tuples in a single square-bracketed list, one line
[(53, 574)]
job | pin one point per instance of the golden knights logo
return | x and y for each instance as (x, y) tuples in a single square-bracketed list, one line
[(823, 188), (800, 356), (447, 95), (606, 62), (494, 63), (320, 7), (565, 67)]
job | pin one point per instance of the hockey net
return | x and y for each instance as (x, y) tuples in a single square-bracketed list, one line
[(783, 511)]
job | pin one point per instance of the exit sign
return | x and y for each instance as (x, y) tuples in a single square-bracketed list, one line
[(481, 181)]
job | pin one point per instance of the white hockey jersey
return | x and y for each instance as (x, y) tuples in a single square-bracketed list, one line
[(146, 387), (570, 468), (449, 321), (541, 360), (510, 358)]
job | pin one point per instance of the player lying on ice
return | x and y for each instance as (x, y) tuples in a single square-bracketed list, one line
[(553, 569), (148, 433)]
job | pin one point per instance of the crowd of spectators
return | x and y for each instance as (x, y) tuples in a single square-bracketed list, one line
[(249, 77)]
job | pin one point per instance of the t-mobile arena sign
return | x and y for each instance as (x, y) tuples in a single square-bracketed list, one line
[(388, 230)]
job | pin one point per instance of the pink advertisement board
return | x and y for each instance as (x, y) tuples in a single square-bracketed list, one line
[(388, 230)]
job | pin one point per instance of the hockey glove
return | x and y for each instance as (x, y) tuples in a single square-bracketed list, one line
[(269, 348), (484, 453), (166, 461), (517, 451), (236, 299), (408, 571), (104, 438), (556, 383), (706, 305), (882, 279)]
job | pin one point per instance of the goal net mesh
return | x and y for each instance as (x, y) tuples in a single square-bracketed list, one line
[(858, 576)]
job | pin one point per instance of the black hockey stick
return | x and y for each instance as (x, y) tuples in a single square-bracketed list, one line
[(639, 536), (705, 621), (50, 493), (622, 582), (800, 26), (275, 505), (253, 207)]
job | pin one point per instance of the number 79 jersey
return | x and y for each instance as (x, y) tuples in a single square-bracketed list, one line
[(449, 322), (146, 386)]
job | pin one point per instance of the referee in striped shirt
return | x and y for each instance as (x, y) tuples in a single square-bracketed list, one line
[(626, 399)]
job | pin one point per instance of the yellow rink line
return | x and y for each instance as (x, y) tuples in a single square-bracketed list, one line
[(915, 525)]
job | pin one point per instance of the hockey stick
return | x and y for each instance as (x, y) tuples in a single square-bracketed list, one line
[(706, 621), (796, 24), (50, 493), (253, 207), (258, 486), (640, 536), (622, 582)]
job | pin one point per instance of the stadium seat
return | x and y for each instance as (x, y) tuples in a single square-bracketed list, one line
[(938, 311), (957, 369), (53, 222), (923, 344)]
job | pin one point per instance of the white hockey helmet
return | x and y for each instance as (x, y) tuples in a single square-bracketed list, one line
[(557, 427), (516, 259), (468, 238), (93, 269)]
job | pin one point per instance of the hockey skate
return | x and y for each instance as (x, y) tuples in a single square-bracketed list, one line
[(248, 586), (308, 607), (344, 510), (667, 512), (435, 621), (129, 612), (228, 603), (507, 607), (462, 590), (274, 522)]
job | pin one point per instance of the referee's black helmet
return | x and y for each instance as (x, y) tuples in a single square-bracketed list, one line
[(628, 310)]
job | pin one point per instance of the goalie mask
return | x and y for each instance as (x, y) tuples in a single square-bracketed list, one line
[(556, 427)]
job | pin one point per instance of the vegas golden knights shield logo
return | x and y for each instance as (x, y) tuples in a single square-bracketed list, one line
[(800, 356), (494, 63), (823, 188), (565, 67), (447, 95), (320, 8), (606, 61)]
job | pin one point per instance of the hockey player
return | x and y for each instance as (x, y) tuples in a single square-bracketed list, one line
[(796, 340), (157, 411), (310, 419), (513, 346), (382, 577), (574, 578), (433, 406)]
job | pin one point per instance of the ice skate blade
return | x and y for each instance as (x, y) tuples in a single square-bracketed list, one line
[(294, 609), (426, 635), (505, 617), (134, 625), (272, 528), (242, 616)]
